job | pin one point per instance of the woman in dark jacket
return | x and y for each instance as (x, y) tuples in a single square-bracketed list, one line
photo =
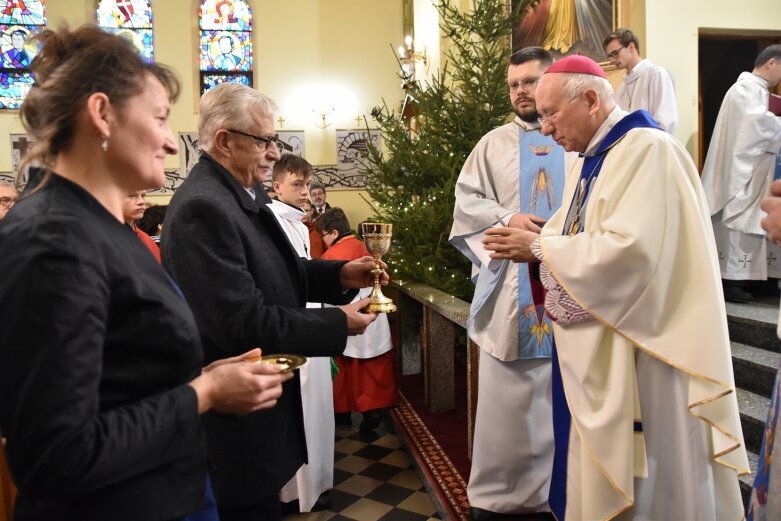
[(101, 379)]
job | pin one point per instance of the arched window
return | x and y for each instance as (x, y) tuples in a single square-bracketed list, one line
[(131, 19), (20, 20), (226, 42)]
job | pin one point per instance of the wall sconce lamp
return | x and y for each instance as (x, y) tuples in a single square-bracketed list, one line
[(408, 54), (321, 117)]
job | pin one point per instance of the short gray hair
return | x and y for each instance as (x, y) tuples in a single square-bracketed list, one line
[(230, 105), (576, 84)]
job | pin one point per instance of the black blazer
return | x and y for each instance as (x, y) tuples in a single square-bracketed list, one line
[(96, 349), (247, 287)]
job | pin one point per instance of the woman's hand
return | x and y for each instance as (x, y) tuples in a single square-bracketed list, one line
[(239, 385)]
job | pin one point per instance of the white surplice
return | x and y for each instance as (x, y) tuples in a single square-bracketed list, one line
[(651, 88), (657, 349), (317, 476), (736, 177), (513, 441)]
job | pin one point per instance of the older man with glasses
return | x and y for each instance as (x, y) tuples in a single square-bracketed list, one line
[(645, 418), (646, 86), (8, 195), (247, 287)]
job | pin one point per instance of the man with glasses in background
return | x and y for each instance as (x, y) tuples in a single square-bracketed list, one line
[(318, 195), (8, 195), (644, 404), (514, 177), (646, 86), (248, 287)]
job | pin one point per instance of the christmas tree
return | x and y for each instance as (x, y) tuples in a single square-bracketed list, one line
[(412, 182)]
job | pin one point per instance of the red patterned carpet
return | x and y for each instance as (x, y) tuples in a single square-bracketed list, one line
[(447, 483), (438, 443)]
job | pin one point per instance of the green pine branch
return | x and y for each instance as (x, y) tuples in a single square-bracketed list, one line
[(411, 182)]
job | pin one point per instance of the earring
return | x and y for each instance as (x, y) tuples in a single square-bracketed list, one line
[(104, 144)]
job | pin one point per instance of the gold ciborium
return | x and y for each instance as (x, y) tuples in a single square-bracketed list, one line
[(377, 238)]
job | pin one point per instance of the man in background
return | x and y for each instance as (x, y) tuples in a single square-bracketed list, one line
[(738, 170), (8, 195), (646, 86), (318, 195), (133, 208), (514, 177)]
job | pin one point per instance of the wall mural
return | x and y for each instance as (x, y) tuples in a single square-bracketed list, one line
[(346, 174), (351, 153)]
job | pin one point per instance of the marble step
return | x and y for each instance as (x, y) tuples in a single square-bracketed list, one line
[(753, 415), (754, 368), (754, 324), (747, 481)]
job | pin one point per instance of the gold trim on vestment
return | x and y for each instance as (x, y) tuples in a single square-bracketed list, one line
[(728, 389)]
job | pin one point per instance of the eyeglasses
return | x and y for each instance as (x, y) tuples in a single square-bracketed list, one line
[(614, 54), (523, 85), (8, 202), (548, 117), (261, 141)]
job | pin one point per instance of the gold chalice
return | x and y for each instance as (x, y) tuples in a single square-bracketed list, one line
[(377, 238)]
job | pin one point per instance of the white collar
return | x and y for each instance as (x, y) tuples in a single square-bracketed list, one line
[(286, 211), (641, 68), (526, 125)]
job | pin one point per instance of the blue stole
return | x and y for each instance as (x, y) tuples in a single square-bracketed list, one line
[(541, 186), (561, 416)]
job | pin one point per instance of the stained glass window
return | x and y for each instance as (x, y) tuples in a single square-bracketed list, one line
[(226, 43), (131, 19), (20, 20)]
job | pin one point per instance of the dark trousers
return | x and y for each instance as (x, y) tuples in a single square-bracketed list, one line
[(269, 509)]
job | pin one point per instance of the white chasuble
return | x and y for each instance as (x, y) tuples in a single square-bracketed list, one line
[(317, 398), (644, 266)]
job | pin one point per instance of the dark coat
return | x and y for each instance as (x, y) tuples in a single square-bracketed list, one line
[(96, 349), (248, 288)]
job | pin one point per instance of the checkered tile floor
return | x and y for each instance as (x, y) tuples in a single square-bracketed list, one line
[(374, 480)]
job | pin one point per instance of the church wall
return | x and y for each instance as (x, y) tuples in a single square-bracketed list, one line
[(671, 40), (309, 55)]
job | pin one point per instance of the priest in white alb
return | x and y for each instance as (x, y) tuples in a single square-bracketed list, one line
[(514, 177), (739, 168), (646, 421)]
